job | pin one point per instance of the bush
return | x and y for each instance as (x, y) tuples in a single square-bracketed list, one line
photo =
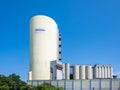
[(47, 86), (27, 87), (4, 87)]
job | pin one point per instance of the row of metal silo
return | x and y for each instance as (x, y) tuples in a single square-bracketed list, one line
[(82, 72), (86, 71), (103, 71)]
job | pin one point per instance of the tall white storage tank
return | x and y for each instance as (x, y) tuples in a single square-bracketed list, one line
[(99, 71), (95, 72), (63, 71), (108, 72), (82, 72), (89, 72), (76, 72), (111, 72), (102, 71), (44, 38), (67, 71), (105, 72)]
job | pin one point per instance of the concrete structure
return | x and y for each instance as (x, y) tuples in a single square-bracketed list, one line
[(94, 84), (56, 70), (76, 72), (67, 71), (44, 46), (63, 71), (111, 71), (99, 71), (103, 71), (89, 72), (30, 75), (95, 72), (82, 72)]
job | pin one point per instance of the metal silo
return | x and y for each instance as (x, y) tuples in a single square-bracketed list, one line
[(75, 71), (99, 71), (44, 36), (82, 72), (105, 71), (102, 71), (67, 71), (95, 70), (63, 71), (111, 72), (108, 72), (89, 72)]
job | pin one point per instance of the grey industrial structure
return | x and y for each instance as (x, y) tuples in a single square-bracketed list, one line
[(46, 64), (65, 71)]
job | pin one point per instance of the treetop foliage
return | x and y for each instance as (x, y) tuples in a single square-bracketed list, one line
[(13, 82)]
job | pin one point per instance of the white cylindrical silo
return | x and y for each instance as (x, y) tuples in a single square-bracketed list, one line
[(105, 72), (102, 71), (89, 72), (99, 71), (43, 46), (82, 72), (67, 71), (76, 72), (63, 71), (95, 72), (111, 72), (108, 72)]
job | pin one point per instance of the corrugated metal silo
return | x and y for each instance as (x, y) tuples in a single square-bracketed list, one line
[(95, 72), (63, 71), (102, 71), (67, 71), (108, 71), (82, 72), (105, 71), (111, 72), (89, 72), (99, 71), (75, 71)]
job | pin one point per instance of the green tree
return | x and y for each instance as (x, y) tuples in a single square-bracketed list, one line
[(18, 82), (12, 82), (4, 87), (5, 82)]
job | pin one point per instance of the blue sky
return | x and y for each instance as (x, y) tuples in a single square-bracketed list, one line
[(90, 32)]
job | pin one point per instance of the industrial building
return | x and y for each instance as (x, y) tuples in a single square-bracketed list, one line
[(77, 72), (46, 61)]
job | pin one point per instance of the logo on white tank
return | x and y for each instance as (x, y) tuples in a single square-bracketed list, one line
[(39, 30)]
